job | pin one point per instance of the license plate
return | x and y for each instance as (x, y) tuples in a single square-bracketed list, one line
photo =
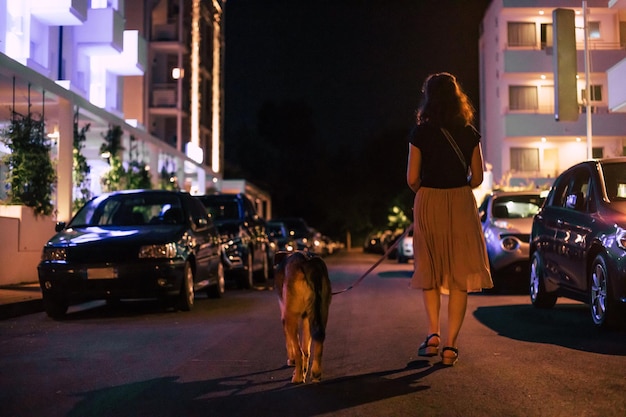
[(101, 273)]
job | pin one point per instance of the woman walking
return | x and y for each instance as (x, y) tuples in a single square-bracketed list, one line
[(450, 253)]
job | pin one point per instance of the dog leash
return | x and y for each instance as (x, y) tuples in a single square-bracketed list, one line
[(386, 254)]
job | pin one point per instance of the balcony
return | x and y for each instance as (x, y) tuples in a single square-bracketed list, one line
[(60, 12), (603, 124), (540, 61), (163, 96), (166, 38), (102, 33), (134, 57)]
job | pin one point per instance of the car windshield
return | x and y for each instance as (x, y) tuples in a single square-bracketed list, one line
[(222, 209), (130, 210), (275, 230), (297, 228), (517, 206), (615, 180)]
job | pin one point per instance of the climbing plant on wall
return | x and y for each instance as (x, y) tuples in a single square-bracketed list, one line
[(31, 178), (80, 167)]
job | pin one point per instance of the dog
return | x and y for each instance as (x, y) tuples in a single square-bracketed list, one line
[(304, 293)]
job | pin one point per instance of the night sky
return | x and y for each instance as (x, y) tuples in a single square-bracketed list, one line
[(357, 65)]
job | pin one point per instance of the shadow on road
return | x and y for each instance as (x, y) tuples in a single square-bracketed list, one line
[(567, 325), (251, 394)]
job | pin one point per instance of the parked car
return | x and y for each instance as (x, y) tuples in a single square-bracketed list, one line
[(506, 218), (132, 244), (578, 241), (405, 247), (279, 237), (244, 236), (298, 229), (378, 241)]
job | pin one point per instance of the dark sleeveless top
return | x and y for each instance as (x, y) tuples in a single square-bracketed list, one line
[(441, 167)]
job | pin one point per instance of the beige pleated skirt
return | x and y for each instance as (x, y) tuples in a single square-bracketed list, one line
[(448, 242)]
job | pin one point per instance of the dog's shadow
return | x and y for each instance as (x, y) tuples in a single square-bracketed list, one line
[(253, 394)]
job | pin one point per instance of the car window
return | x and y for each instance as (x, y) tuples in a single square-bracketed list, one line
[(131, 210), (559, 192), (517, 206), (615, 180), (578, 190), (482, 210), (201, 219), (573, 190), (223, 210)]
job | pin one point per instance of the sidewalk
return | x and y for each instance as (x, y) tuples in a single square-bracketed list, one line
[(18, 300)]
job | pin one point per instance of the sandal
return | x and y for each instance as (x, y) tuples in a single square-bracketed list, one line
[(427, 348), (449, 360)]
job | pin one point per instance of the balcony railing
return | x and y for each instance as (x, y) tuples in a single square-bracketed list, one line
[(164, 95)]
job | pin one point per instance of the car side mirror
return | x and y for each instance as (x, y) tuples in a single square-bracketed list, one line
[(575, 201)]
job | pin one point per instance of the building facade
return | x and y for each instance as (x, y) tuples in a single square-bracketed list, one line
[(154, 68), (523, 142)]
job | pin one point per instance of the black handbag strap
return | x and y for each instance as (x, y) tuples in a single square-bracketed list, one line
[(455, 147)]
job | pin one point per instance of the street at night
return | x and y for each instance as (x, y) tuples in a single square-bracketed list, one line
[(227, 357)]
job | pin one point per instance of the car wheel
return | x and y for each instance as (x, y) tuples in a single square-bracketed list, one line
[(538, 295), (246, 280), (217, 290), (55, 306), (186, 296), (602, 308)]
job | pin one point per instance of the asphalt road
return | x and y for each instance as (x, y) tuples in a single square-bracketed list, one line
[(227, 358)]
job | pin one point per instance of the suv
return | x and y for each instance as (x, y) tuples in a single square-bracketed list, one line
[(244, 238)]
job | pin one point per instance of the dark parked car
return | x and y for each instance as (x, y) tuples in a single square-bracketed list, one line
[(279, 237), (132, 244), (298, 230), (578, 241), (244, 236), (507, 218), (379, 241)]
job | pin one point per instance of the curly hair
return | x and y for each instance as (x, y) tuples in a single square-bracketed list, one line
[(444, 103)]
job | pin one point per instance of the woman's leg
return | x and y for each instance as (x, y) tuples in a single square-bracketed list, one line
[(457, 305), (432, 303)]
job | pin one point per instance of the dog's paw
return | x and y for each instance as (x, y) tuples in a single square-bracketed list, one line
[(297, 380), (316, 378)]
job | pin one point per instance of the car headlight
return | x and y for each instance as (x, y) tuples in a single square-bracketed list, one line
[(54, 254), (510, 243), (167, 250), (502, 224), (233, 242)]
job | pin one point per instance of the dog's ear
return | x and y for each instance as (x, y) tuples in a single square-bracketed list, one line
[(279, 256)]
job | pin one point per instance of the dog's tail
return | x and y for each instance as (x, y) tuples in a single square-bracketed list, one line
[(316, 274)]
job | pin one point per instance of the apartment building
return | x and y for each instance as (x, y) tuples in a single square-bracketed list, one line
[(523, 142), (152, 67)]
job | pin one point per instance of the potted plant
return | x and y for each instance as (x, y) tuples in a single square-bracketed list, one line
[(31, 176)]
